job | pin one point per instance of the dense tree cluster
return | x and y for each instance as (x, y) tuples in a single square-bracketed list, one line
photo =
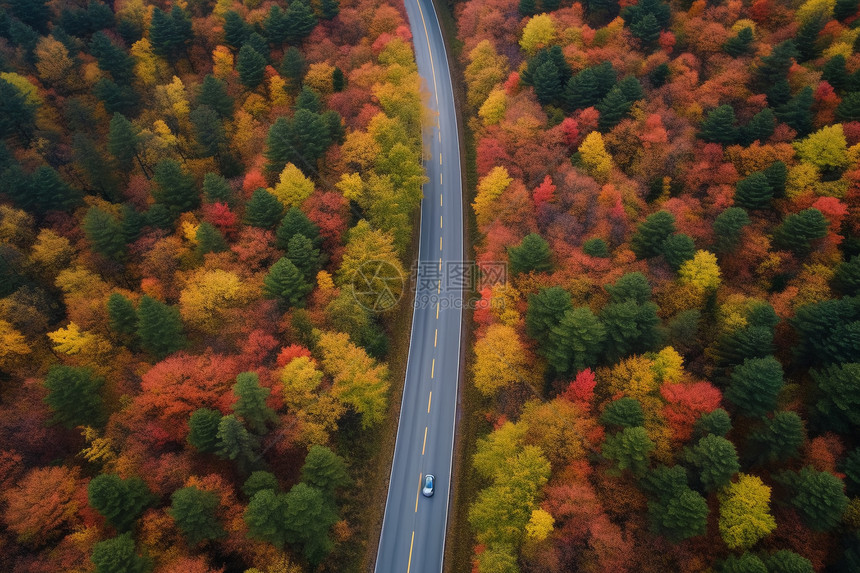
[(675, 188), (189, 382)]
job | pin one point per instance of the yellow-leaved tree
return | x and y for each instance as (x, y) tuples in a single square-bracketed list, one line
[(317, 412), (486, 69), (596, 160), (222, 62), (538, 33), (490, 187), (827, 148), (745, 512), (147, 65), (702, 271), (358, 380), (499, 360), (208, 297), (540, 525), (13, 345), (293, 187), (72, 340), (494, 107)]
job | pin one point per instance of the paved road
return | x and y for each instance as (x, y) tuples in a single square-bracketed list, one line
[(413, 529)]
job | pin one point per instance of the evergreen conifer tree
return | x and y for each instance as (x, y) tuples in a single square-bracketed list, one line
[(159, 327), (286, 283), (263, 210)]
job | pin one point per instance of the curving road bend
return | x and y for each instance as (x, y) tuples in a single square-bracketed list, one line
[(413, 528)]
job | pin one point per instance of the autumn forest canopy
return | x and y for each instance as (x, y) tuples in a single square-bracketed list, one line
[(667, 380), (676, 189), (187, 381)]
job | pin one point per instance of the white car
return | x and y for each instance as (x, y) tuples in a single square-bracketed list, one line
[(429, 485)]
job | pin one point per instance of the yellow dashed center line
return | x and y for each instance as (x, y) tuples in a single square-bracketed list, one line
[(429, 401), (425, 441), (432, 368), (435, 338)]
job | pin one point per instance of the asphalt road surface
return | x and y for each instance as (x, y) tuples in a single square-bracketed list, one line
[(413, 529)]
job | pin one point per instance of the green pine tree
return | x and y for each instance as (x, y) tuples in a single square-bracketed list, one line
[(104, 233), (849, 107), (755, 385), (251, 67), (759, 128), (209, 239), (295, 222), (328, 9), (265, 517), (217, 189), (576, 342), (630, 449), (847, 277), (213, 94), (308, 518), (112, 59), (646, 30), (263, 210), (623, 412), (678, 249), (630, 287), (74, 396), (716, 422), (739, 44), (754, 191), (251, 404), (612, 109), (834, 71), (596, 247), (532, 254), (719, 126), (258, 481), (293, 67), (123, 141), (546, 83), (176, 188), (122, 315), (286, 283), (797, 113), (194, 511), (324, 470), (727, 229), (806, 40), (785, 561), (650, 234), (818, 497), (838, 404), (714, 459), (203, 429), (236, 30), (235, 443), (778, 440), (118, 555), (630, 328), (799, 230), (301, 21), (159, 327), (304, 256), (120, 501), (545, 311)]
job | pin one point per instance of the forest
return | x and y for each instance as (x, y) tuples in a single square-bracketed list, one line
[(675, 187), (188, 382)]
